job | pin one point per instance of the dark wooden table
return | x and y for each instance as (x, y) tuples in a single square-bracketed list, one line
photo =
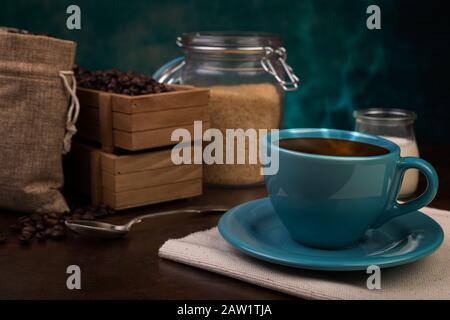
[(129, 268)]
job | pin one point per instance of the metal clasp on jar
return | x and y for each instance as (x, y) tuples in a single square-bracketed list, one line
[(279, 55)]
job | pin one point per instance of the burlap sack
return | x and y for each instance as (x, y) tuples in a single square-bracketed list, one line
[(34, 102)]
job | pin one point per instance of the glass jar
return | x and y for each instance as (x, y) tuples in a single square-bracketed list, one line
[(396, 125), (245, 73)]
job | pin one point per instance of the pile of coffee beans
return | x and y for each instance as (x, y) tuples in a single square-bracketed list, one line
[(113, 80), (51, 226)]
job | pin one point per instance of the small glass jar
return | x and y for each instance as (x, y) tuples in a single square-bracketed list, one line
[(245, 73), (396, 125)]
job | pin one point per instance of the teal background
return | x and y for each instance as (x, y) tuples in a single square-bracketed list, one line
[(343, 65)]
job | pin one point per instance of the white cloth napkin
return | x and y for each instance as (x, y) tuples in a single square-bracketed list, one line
[(428, 278)]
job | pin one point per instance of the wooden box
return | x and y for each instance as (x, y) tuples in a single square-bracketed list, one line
[(131, 180), (139, 122)]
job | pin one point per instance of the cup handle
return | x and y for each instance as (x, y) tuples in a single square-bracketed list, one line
[(398, 209)]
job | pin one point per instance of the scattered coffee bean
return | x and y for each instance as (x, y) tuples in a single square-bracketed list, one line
[(16, 227), (26, 234), (23, 241), (52, 222), (48, 232), (40, 236), (59, 227), (54, 216), (36, 217), (28, 223), (24, 219), (52, 225), (29, 229), (113, 80), (57, 234)]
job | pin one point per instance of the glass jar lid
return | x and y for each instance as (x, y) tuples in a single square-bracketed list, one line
[(273, 54), (230, 42), (382, 116)]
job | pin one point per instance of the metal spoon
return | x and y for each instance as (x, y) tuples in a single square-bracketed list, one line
[(96, 229)]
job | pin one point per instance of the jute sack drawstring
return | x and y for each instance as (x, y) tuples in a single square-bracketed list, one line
[(74, 109)]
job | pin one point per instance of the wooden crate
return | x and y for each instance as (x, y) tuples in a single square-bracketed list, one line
[(139, 122), (133, 180)]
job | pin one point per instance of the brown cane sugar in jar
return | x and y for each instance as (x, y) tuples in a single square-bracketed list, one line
[(246, 106)]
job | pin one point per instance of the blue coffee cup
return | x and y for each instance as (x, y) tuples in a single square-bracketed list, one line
[(329, 202)]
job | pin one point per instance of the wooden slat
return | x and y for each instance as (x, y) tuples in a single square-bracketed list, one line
[(89, 97), (144, 179), (150, 138), (139, 162), (161, 101), (146, 196), (136, 163), (159, 119)]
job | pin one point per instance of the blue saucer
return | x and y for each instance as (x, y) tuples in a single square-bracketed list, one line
[(255, 229)]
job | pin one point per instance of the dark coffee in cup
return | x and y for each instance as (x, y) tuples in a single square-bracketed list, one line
[(332, 147)]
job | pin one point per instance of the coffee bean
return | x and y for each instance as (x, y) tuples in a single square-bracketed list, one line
[(24, 240), (36, 217), (25, 237), (29, 229), (40, 236), (58, 234), (15, 227), (48, 232), (54, 216), (28, 224), (26, 234), (59, 227), (24, 219), (52, 222)]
